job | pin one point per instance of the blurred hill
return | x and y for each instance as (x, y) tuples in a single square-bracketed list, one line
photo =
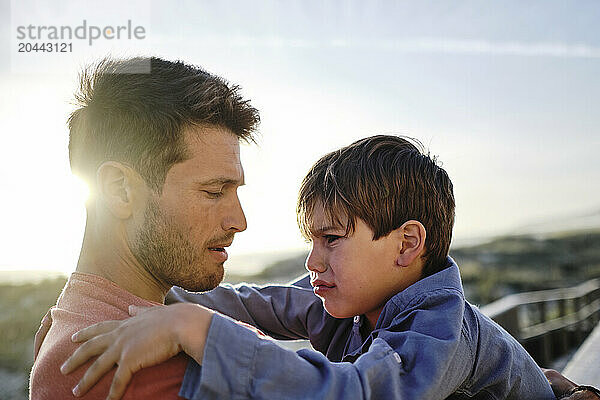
[(22, 307), (490, 270), (589, 221), (523, 263)]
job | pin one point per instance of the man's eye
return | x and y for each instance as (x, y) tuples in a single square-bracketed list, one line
[(213, 195), (331, 238)]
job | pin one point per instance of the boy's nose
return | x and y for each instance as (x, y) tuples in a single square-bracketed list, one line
[(314, 261)]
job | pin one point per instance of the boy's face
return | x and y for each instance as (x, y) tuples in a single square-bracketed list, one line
[(353, 275)]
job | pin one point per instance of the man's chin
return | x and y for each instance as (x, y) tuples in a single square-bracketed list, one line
[(204, 284)]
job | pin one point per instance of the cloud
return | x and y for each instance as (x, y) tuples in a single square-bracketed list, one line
[(461, 46), (414, 45)]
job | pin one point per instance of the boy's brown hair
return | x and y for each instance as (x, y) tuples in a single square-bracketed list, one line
[(385, 181)]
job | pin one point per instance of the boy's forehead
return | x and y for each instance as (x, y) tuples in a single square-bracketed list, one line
[(324, 218)]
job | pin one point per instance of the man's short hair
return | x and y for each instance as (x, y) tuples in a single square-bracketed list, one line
[(385, 181), (135, 111)]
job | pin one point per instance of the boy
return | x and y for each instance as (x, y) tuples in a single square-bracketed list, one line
[(389, 312)]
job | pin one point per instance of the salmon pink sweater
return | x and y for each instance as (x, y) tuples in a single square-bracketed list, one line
[(85, 300)]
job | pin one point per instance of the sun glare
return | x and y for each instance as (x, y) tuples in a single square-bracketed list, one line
[(80, 190)]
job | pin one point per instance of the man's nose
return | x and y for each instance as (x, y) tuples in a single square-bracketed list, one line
[(235, 219), (314, 261)]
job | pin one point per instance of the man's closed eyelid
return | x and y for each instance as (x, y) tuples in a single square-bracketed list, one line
[(213, 195)]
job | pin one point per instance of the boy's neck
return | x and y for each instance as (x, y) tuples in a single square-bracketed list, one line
[(370, 319), (366, 328)]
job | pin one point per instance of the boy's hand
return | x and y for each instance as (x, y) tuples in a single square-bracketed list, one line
[(152, 336)]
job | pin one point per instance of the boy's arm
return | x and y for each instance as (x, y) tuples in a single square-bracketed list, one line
[(419, 357), (257, 368), (424, 367), (281, 311)]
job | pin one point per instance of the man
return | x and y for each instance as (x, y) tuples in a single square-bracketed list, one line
[(158, 143)]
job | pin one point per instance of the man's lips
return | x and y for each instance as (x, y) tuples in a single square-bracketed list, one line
[(219, 252), (219, 246)]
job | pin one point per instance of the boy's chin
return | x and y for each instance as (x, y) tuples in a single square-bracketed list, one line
[(329, 310), (336, 313)]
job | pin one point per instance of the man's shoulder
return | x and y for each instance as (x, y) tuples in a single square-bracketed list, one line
[(162, 381), (46, 382)]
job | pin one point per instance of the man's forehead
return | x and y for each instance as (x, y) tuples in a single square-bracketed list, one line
[(211, 137), (213, 157)]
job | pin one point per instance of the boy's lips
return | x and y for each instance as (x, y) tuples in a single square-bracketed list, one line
[(320, 282), (321, 287)]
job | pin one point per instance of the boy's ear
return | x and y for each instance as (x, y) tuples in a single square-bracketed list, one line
[(118, 186), (411, 242)]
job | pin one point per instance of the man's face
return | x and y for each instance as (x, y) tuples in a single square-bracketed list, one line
[(354, 274), (185, 230)]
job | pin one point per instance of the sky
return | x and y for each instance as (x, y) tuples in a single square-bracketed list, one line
[(505, 94)]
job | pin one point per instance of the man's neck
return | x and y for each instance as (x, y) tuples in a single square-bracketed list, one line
[(133, 281), (115, 261)]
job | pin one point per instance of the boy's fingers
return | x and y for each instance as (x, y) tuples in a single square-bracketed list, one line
[(97, 370), (95, 330), (87, 350), (120, 380), (135, 310), (41, 333)]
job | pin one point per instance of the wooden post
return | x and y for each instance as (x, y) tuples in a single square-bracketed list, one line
[(562, 307), (542, 309)]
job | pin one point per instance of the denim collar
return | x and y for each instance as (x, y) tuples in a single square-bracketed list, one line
[(448, 278)]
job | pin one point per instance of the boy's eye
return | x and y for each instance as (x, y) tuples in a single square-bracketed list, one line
[(331, 238)]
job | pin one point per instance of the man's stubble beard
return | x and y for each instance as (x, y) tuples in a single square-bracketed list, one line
[(169, 256)]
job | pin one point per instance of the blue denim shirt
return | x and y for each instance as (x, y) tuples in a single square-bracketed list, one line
[(428, 343)]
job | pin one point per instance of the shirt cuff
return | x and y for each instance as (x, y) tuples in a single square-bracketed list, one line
[(227, 362)]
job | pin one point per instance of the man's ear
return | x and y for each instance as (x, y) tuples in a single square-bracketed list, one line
[(118, 186), (411, 242)]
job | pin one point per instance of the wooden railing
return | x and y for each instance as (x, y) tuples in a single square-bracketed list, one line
[(549, 323)]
